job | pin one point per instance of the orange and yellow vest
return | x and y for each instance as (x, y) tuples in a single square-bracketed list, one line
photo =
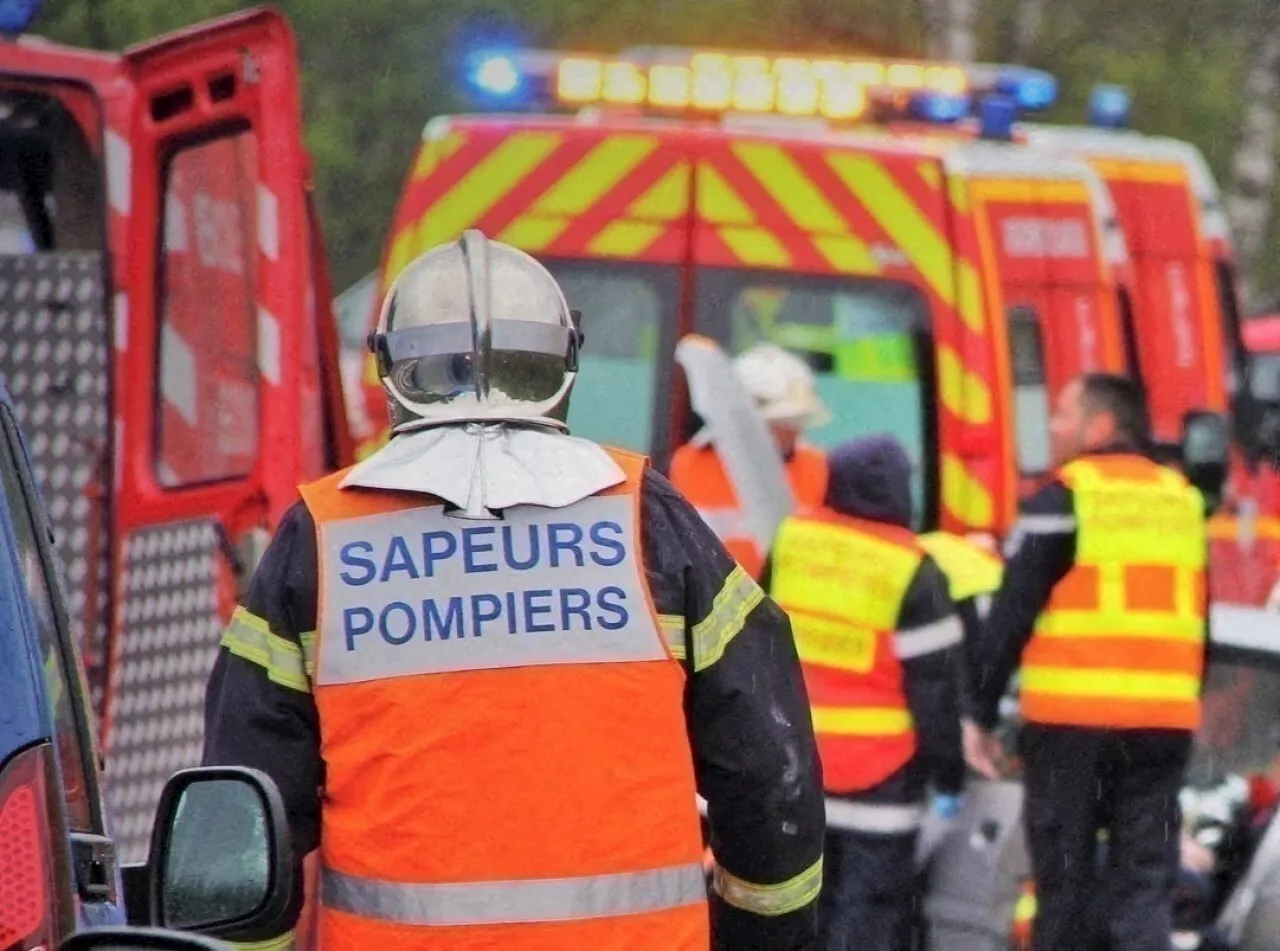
[(843, 582), (696, 471), (1120, 644), (507, 763)]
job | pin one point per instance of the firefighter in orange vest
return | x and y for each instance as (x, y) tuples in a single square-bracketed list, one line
[(1103, 612), (878, 637), (492, 666), (786, 396)]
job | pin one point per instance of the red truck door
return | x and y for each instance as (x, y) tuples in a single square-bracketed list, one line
[(222, 404)]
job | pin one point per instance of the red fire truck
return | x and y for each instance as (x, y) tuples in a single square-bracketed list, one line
[(166, 336)]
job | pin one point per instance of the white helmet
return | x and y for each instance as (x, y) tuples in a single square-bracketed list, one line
[(782, 385), (476, 330)]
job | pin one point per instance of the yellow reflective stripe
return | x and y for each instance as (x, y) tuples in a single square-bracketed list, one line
[(756, 246), (672, 626), (1157, 625), (665, 200), (770, 900), (595, 175), (847, 254), (308, 640), (718, 203), (963, 392), (861, 721), (969, 296), (964, 496), (1119, 684), (493, 177), (249, 637), (625, 239), (737, 598), (790, 187), (282, 943), (908, 226)]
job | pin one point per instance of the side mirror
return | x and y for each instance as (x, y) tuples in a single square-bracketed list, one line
[(221, 862), (1206, 447), (139, 939)]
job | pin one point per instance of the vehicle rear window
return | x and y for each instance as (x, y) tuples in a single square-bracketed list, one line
[(59, 657), (868, 340), (1031, 407), (624, 308), (211, 336)]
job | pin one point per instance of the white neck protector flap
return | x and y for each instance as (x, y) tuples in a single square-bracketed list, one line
[(484, 468)]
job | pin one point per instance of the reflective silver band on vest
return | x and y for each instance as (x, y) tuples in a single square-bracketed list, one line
[(882, 818), (928, 638), (515, 902), (724, 521)]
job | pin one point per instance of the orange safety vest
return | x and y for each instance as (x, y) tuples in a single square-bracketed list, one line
[(843, 581), (477, 682), (696, 471), (1121, 643)]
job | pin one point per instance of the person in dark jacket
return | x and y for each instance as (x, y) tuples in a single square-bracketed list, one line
[(878, 636), (1103, 611), (560, 733)]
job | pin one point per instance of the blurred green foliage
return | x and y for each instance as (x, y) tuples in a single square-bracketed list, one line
[(375, 70)]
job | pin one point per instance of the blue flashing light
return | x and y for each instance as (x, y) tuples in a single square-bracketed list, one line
[(1109, 107), (17, 15), (495, 75), (939, 107), (996, 116), (1032, 90)]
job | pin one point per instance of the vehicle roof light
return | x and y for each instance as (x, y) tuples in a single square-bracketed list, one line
[(624, 84), (1109, 106), (905, 76), (580, 80), (996, 115), (798, 95), (846, 100), (940, 107), (753, 92), (669, 86), (496, 74)]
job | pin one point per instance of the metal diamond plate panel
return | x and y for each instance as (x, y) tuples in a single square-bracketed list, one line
[(54, 361), (170, 631)]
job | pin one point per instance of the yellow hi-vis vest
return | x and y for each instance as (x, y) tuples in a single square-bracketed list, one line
[(1121, 643), (970, 570)]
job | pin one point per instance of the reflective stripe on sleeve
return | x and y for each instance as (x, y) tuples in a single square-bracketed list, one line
[(515, 902), (672, 626), (282, 943), (1046, 524), (770, 900), (738, 597), (249, 637), (928, 638), (308, 641), (882, 818)]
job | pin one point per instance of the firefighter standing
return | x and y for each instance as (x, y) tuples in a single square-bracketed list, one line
[(1103, 609), (786, 396), (469, 658), (877, 636)]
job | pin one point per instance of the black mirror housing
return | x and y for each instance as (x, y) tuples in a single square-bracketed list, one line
[(139, 939), (221, 860), (1205, 450)]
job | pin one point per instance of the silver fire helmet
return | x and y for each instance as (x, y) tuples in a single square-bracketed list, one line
[(476, 330)]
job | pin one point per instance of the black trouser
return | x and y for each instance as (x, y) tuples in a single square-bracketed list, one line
[(870, 886), (1127, 782)]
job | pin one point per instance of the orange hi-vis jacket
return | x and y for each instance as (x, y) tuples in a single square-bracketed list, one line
[(843, 582), (701, 478), (506, 756), (1121, 643)]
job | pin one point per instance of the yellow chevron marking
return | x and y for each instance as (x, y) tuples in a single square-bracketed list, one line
[(969, 297), (898, 215), (963, 495), (499, 172), (963, 393), (931, 174), (435, 151), (403, 250), (667, 199), (595, 175), (847, 254), (959, 192), (624, 239), (788, 185), (531, 233), (718, 203), (756, 246)]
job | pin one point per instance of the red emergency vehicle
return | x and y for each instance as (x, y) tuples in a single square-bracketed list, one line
[(166, 336)]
